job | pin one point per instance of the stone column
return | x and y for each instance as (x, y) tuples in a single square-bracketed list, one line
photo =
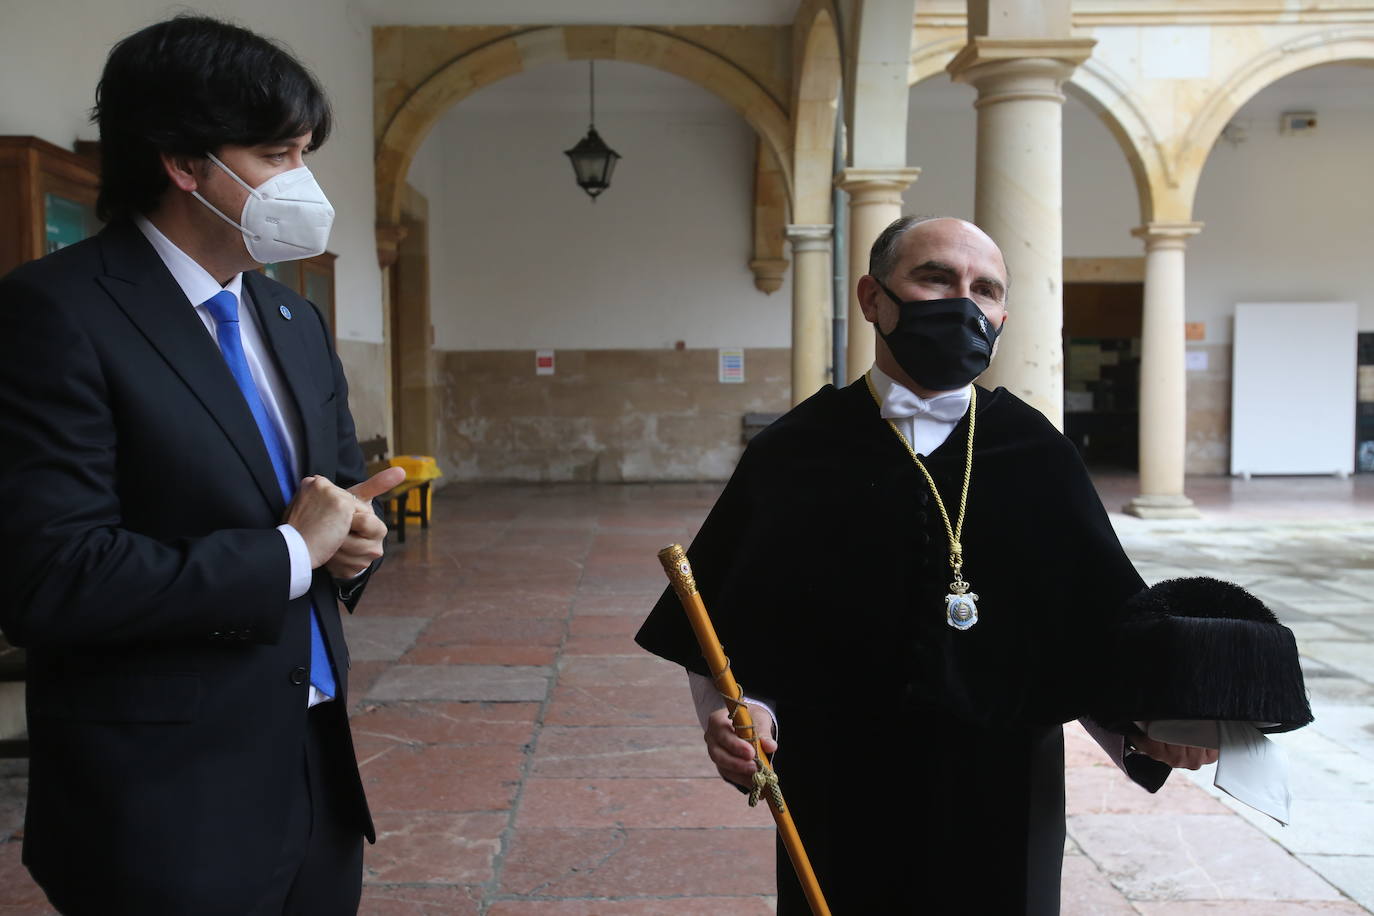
[(1019, 200), (1163, 380), (875, 199), (811, 309)]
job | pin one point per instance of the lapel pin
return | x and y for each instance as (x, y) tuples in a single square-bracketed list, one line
[(285, 312)]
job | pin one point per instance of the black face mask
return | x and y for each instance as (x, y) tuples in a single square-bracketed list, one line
[(943, 344)]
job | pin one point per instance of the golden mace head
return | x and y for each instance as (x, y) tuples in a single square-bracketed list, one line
[(678, 569)]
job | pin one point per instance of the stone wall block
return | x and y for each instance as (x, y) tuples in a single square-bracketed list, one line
[(607, 415)]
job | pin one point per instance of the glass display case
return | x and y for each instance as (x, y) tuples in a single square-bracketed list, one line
[(47, 199)]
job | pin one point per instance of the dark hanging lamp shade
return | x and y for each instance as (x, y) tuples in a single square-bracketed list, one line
[(593, 162)]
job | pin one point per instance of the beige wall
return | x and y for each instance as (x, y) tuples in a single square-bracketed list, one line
[(606, 415), (661, 256), (1209, 411), (365, 367)]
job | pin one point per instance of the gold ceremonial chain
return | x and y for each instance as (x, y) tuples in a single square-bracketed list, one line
[(961, 609)]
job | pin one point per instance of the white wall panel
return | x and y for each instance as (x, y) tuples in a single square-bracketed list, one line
[(1293, 388)]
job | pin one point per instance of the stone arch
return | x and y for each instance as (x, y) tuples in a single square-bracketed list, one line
[(1329, 46), (521, 50), (1108, 96), (818, 87), (1105, 94), (931, 58)]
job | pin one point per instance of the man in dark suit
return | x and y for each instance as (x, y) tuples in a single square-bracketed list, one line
[(185, 505)]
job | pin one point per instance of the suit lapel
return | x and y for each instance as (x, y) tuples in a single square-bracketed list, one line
[(286, 339), (143, 288)]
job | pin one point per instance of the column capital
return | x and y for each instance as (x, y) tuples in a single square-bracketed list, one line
[(389, 236), (876, 185), (1167, 233), (982, 51), (810, 236), (768, 273), (1012, 69)]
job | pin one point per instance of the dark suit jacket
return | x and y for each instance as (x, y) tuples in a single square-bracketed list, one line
[(166, 694)]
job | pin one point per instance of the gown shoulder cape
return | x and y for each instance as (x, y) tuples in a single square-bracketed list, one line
[(923, 765)]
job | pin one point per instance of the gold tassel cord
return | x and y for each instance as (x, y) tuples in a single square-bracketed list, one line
[(765, 780)]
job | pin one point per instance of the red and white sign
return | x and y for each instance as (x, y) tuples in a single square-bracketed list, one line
[(543, 362)]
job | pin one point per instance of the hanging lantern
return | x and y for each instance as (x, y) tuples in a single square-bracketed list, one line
[(592, 160)]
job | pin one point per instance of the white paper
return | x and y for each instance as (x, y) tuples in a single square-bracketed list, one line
[(1250, 768), (1254, 770)]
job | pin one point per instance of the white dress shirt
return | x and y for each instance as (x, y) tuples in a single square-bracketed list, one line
[(195, 281), (925, 432)]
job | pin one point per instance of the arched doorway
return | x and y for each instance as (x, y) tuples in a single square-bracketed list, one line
[(410, 121), (1285, 203), (409, 112), (524, 261)]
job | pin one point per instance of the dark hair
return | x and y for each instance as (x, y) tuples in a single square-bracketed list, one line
[(189, 86), (886, 250)]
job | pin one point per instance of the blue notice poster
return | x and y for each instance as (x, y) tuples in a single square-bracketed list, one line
[(731, 365)]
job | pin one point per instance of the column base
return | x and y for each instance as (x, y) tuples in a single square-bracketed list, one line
[(1162, 506)]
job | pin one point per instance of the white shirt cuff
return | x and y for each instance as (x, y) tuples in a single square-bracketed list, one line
[(301, 573), (707, 700)]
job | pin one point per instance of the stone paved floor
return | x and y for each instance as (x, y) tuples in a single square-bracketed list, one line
[(524, 758)]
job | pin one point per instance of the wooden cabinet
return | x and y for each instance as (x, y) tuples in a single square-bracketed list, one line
[(47, 199), (312, 278)]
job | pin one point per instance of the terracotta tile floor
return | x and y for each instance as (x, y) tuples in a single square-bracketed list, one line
[(524, 758)]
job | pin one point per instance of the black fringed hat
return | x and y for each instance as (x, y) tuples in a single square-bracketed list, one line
[(1200, 648)]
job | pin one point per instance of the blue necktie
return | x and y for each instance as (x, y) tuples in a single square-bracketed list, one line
[(225, 309)]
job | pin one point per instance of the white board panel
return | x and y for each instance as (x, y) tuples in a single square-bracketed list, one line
[(1293, 388)]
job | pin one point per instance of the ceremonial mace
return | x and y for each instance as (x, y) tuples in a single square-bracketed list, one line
[(674, 560)]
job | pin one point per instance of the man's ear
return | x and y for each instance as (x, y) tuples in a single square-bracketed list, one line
[(868, 292), (180, 171)]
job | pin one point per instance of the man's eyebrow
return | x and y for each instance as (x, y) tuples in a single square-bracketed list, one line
[(288, 142), (949, 269), (933, 265)]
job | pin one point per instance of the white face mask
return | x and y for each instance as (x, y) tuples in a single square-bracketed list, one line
[(285, 218)]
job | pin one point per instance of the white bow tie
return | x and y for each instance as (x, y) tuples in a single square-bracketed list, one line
[(900, 403)]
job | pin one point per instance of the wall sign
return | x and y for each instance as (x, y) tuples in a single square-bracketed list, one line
[(732, 365)]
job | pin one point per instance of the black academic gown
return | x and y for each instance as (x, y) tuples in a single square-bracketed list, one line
[(923, 765)]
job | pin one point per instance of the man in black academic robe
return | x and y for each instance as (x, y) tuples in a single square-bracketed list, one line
[(923, 764)]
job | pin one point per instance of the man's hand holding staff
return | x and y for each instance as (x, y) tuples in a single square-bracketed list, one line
[(674, 560)]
